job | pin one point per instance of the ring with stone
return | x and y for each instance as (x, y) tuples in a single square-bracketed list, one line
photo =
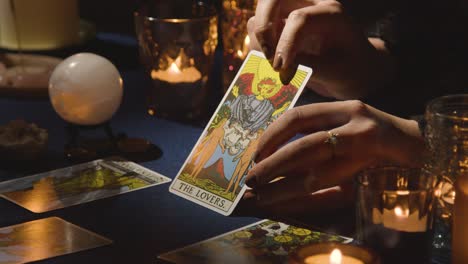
[(332, 140)]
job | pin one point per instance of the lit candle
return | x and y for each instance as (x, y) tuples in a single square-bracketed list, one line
[(333, 253), (335, 257), (38, 25), (242, 53), (176, 72), (400, 218)]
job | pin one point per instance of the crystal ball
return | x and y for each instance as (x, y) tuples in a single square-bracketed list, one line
[(85, 89)]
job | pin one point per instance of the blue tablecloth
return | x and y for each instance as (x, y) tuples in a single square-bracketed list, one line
[(143, 223)]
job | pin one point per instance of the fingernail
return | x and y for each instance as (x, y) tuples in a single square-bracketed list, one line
[(250, 194), (287, 75), (254, 157), (251, 181), (278, 62), (267, 50)]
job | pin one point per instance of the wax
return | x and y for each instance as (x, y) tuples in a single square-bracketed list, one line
[(460, 221), (325, 259), (38, 24)]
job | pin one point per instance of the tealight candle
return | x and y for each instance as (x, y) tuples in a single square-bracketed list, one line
[(333, 253), (178, 73), (335, 257)]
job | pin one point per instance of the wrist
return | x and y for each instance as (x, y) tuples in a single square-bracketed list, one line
[(406, 144)]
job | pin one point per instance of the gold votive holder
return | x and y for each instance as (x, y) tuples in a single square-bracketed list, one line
[(394, 213), (177, 48), (333, 253)]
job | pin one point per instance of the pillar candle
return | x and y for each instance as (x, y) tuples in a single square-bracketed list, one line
[(38, 24), (460, 221)]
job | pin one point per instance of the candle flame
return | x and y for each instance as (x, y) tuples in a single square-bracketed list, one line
[(336, 256), (173, 68), (247, 41), (240, 54), (402, 192), (400, 212)]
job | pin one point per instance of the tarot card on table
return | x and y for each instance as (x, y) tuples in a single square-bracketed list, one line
[(262, 242), (79, 184), (214, 173), (45, 238)]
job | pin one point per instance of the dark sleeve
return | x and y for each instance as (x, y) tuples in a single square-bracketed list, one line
[(429, 41)]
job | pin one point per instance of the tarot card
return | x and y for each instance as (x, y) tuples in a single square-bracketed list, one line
[(214, 173), (45, 238), (266, 241), (79, 184)]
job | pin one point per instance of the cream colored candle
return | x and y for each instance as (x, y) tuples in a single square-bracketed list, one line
[(177, 73), (335, 257), (460, 222), (400, 219), (38, 24)]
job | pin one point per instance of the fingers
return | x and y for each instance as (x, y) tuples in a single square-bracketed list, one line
[(333, 172), (304, 32), (357, 142), (308, 153), (303, 153), (303, 119), (253, 45), (266, 22)]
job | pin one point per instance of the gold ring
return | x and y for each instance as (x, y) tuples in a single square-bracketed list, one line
[(332, 140)]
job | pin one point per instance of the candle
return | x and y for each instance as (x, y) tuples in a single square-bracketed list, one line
[(38, 25), (460, 220), (335, 257), (333, 253), (176, 72), (242, 53), (400, 217)]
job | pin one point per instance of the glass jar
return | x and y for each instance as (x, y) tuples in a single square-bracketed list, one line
[(446, 135)]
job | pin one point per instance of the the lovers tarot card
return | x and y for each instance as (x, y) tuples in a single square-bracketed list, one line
[(214, 173)]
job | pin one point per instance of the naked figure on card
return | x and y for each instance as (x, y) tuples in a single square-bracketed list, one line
[(215, 171)]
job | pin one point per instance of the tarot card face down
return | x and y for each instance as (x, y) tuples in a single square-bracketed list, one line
[(262, 242), (45, 238), (214, 173), (79, 184)]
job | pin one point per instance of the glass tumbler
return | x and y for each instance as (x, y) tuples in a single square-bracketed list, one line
[(394, 213), (446, 137), (177, 41)]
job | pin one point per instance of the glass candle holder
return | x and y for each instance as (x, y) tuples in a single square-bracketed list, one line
[(446, 136), (177, 48), (394, 213), (236, 41)]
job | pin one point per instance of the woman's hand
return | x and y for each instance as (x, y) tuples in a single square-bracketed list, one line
[(319, 34), (364, 135)]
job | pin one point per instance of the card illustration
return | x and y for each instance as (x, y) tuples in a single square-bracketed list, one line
[(266, 241), (45, 238), (214, 173), (78, 184)]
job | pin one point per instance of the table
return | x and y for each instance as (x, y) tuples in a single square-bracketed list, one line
[(143, 223)]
